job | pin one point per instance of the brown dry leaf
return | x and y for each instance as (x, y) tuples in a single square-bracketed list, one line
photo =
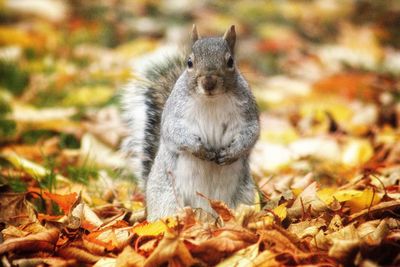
[(307, 228), (307, 201), (13, 232), (148, 247), (336, 224), (106, 262), (107, 239), (265, 259), (171, 249), (373, 232), (377, 209), (117, 237), (130, 258), (245, 214), (15, 209), (94, 247), (241, 258), (89, 219), (224, 242), (279, 240), (78, 254), (52, 261), (320, 241), (44, 241), (344, 242), (220, 208)]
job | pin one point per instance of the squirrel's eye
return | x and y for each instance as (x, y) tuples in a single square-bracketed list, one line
[(190, 63), (230, 62)]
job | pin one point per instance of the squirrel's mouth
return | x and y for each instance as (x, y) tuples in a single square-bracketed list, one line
[(212, 94), (210, 85)]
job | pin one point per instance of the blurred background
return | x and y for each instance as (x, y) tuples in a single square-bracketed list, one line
[(325, 74)]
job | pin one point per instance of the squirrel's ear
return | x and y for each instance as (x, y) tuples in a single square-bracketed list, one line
[(230, 37), (194, 36)]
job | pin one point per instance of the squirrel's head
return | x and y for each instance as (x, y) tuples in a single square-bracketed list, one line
[(210, 64)]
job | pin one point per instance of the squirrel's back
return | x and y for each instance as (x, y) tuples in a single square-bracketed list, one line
[(142, 101)]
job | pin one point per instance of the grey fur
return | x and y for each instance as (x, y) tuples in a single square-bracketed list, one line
[(205, 136)]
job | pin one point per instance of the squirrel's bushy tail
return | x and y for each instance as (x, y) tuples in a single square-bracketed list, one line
[(143, 101)]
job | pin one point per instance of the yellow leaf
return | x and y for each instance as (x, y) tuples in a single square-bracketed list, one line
[(35, 170), (297, 191), (88, 96), (365, 200), (154, 228), (281, 211), (345, 195), (284, 136), (329, 194), (137, 47), (326, 195), (357, 152), (11, 36)]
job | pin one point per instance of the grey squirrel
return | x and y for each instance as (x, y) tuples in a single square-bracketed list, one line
[(193, 122)]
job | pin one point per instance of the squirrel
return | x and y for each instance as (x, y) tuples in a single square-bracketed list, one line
[(193, 122)]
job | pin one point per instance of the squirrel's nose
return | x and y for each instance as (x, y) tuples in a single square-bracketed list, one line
[(208, 83)]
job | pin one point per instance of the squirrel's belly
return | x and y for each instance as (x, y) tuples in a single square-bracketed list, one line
[(215, 122), (194, 175)]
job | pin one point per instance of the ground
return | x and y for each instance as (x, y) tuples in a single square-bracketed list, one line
[(327, 165)]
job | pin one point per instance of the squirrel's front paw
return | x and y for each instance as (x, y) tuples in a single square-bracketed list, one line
[(202, 152), (205, 154), (225, 157)]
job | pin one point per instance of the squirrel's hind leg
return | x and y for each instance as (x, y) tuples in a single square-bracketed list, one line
[(161, 199)]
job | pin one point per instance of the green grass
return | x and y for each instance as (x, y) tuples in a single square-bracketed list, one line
[(14, 183), (82, 173), (8, 129), (31, 137), (13, 77)]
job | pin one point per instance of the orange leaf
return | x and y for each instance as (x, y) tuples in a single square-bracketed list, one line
[(220, 208), (65, 202)]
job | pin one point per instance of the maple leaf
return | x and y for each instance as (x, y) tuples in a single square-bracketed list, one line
[(65, 202)]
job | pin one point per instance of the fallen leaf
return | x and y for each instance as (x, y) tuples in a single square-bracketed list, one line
[(371, 234), (49, 261), (130, 258), (78, 254), (307, 228), (43, 241), (241, 258), (170, 248), (224, 242), (220, 208), (366, 199), (37, 171), (265, 259), (154, 228), (15, 209), (106, 262), (307, 201), (88, 218), (389, 206), (65, 202)]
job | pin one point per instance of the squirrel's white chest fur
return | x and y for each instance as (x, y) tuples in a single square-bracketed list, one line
[(216, 122)]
